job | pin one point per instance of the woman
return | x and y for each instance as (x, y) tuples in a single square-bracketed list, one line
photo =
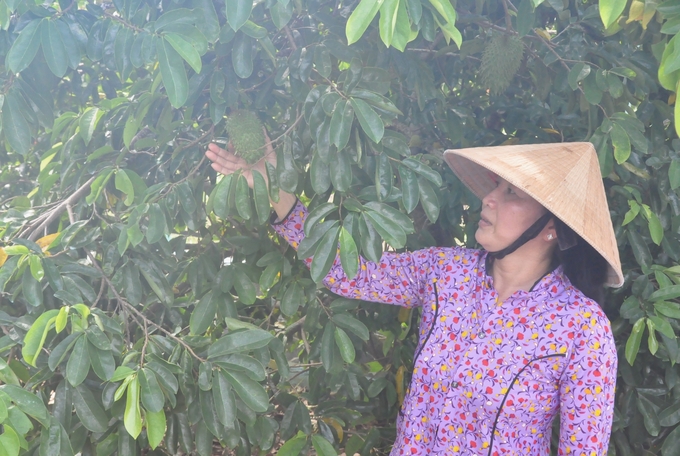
[(510, 335)]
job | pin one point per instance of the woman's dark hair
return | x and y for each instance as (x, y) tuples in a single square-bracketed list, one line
[(583, 265)]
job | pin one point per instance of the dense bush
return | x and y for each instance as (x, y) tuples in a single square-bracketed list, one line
[(146, 305)]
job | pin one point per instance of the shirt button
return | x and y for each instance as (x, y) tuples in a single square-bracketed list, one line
[(454, 385), (482, 335)]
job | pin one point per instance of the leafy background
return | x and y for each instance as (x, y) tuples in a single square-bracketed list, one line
[(147, 307)]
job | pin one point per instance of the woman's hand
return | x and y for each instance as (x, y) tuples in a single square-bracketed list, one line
[(226, 162)]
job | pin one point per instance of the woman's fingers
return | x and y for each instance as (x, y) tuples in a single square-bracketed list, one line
[(224, 161)]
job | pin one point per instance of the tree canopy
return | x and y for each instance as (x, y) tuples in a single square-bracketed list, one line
[(148, 308)]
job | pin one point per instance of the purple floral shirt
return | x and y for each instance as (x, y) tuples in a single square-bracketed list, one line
[(490, 376)]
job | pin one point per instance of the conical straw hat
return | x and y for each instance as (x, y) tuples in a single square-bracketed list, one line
[(564, 177)]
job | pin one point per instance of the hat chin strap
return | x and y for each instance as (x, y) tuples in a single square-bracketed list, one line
[(525, 237)]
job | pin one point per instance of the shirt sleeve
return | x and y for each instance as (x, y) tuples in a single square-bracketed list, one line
[(588, 387), (399, 278)]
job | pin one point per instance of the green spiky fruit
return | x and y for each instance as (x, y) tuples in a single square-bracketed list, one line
[(246, 135), (500, 61)]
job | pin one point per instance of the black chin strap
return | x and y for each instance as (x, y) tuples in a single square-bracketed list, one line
[(525, 237)]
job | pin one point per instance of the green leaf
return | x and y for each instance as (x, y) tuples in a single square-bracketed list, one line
[(204, 314), (423, 170), (371, 243), (241, 55), (36, 335), (121, 373), (102, 362), (671, 444), (621, 143), (648, 410), (640, 249), (210, 25), (261, 197), (239, 342), (244, 287), (340, 171), (369, 120), (666, 293), (16, 128), (341, 124), (53, 48), (388, 20), (88, 123), (243, 363), (663, 326), (325, 254), (345, 345), (319, 175), (27, 402), (361, 18), (633, 342), (157, 224), (351, 324), (674, 174), (610, 10), (388, 229), (383, 176), (317, 214), (251, 393), (349, 254), (173, 73), (25, 47), (323, 446), (185, 50), (243, 198), (655, 228), (328, 346), (668, 309), (238, 12), (219, 198), (293, 446), (32, 289), (155, 427), (124, 185), (410, 192), (292, 299), (78, 365), (9, 441), (151, 393), (525, 17), (578, 73), (132, 417), (225, 406), (61, 350), (89, 411)]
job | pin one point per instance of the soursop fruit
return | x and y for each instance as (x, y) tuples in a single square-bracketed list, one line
[(246, 135), (500, 61)]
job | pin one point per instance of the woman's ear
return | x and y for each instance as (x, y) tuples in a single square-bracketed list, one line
[(550, 233)]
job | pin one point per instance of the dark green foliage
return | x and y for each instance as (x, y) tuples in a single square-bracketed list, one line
[(144, 301)]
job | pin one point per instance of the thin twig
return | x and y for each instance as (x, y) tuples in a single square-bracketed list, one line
[(57, 211), (146, 342), (303, 336), (102, 287), (295, 326), (71, 216), (291, 40), (508, 21)]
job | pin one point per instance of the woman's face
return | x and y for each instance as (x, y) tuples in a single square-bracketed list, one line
[(506, 213)]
